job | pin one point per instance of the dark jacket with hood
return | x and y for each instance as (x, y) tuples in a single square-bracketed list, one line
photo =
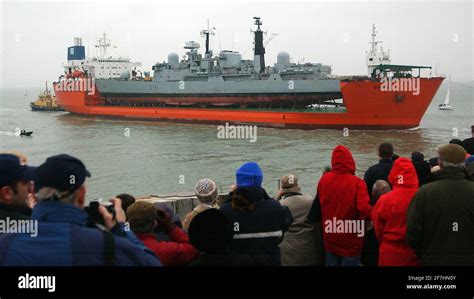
[(343, 196), (257, 232), (440, 220)]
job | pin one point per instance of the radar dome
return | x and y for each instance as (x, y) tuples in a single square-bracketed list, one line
[(283, 58), (125, 75), (173, 59)]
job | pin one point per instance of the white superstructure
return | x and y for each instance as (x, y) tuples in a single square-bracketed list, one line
[(375, 56), (100, 67)]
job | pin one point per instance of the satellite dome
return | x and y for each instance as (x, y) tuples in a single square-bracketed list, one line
[(173, 59), (125, 75), (283, 58)]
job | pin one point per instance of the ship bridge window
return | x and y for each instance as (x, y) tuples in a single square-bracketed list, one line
[(371, 59)]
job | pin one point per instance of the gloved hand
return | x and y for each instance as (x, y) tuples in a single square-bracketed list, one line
[(164, 220)]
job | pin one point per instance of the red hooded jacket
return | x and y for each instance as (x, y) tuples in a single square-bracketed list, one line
[(343, 196), (390, 216), (178, 252)]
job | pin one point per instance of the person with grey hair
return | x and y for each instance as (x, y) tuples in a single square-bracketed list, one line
[(302, 243), (62, 238), (439, 220), (370, 251), (206, 193)]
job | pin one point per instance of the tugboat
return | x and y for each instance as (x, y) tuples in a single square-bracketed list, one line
[(46, 102)]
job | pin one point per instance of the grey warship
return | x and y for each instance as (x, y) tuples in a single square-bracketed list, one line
[(224, 80)]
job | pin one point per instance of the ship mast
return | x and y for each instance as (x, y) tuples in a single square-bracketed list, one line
[(206, 33), (374, 42), (259, 50), (375, 57), (104, 43)]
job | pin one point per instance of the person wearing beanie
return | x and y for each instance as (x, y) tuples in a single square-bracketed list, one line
[(455, 141), (143, 218), (470, 168), (300, 245), (258, 221), (389, 216), (206, 193), (211, 233), (422, 167), (439, 218), (343, 197), (62, 237), (468, 145)]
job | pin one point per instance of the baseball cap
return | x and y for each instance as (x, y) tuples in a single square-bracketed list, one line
[(62, 172), (11, 170)]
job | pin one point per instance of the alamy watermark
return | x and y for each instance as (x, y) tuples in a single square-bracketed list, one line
[(237, 132), (15, 226), (335, 226), (80, 84), (28, 281), (401, 84)]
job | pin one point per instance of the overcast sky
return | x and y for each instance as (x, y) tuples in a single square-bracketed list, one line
[(35, 35)]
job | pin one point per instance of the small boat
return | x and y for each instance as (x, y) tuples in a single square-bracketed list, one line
[(445, 105), (25, 133), (46, 102)]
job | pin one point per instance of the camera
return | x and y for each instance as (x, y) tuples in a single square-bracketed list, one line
[(94, 218)]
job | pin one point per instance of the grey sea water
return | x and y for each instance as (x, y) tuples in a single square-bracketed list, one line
[(163, 158)]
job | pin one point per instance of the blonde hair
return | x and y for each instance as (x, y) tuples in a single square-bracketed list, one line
[(62, 196)]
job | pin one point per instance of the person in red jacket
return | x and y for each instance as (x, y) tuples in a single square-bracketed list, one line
[(143, 218), (390, 216), (344, 204)]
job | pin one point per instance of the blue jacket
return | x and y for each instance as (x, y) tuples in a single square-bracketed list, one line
[(64, 240), (257, 233), (376, 172)]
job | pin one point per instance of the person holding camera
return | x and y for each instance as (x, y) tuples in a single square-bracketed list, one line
[(144, 218), (62, 237)]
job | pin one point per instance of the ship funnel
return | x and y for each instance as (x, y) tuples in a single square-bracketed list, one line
[(259, 50), (76, 52)]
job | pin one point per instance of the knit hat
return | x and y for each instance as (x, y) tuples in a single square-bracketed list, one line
[(417, 156), (289, 183), (206, 191), (210, 231), (452, 153), (455, 141), (249, 175), (468, 145), (141, 211)]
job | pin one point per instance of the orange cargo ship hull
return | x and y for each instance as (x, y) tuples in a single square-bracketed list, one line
[(367, 107)]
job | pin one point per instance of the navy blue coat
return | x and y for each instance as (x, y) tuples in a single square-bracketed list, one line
[(64, 240), (376, 172), (257, 233)]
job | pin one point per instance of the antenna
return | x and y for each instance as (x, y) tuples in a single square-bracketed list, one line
[(374, 42), (272, 36), (206, 33), (104, 43)]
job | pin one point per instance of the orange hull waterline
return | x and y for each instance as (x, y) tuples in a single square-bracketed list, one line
[(367, 107)]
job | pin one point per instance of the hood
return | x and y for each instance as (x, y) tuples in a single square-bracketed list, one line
[(342, 161), (403, 174)]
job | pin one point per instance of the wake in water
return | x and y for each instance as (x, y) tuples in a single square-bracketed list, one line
[(13, 109), (17, 133)]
